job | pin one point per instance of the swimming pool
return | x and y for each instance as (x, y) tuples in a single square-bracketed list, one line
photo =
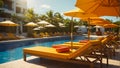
[(12, 50)]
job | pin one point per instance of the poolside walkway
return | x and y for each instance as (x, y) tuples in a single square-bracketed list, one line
[(36, 62)]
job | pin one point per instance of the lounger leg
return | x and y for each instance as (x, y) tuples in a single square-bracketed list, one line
[(101, 60), (107, 62), (92, 65), (24, 56)]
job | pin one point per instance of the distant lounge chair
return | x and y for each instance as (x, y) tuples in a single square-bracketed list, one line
[(35, 35), (2, 37), (42, 35), (51, 53), (12, 36), (78, 44)]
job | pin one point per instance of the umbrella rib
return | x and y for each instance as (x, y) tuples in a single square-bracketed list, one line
[(118, 11), (88, 3), (97, 6), (94, 6)]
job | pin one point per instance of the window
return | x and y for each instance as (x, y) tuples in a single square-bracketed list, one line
[(18, 10)]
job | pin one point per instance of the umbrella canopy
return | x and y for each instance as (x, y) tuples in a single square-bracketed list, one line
[(61, 25), (100, 7), (102, 22), (79, 13), (97, 26), (110, 25), (76, 26), (50, 25), (8, 23), (43, 23), (31, 24), (92, 19), (37, 28)]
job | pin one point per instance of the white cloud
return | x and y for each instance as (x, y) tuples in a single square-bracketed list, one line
[(45, 6)]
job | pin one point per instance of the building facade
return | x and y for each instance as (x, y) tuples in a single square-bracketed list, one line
[(17, 7)]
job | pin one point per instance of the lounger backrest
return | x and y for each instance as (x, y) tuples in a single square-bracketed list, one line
[(105, 40), (100, 39), (2, 36), (10, 34), (85, 49)]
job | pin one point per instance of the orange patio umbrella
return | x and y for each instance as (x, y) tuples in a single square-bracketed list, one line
[(92, 19), (110, 26), (100, 7), (99, 23), (79, 14)]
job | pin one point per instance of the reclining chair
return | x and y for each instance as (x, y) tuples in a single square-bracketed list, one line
[(83, 53)]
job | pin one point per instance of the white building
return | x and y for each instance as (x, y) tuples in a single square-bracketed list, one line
[(17, 7), (82, 29)]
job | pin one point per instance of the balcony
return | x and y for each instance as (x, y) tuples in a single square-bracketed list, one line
[(8, 4)]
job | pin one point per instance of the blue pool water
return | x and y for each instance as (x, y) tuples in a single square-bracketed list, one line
[(10, 51)]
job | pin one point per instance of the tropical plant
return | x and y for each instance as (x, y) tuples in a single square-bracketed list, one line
[(43, 17), (16, 18), (31, 16), (118, 28), (117, 22), (1, 3)]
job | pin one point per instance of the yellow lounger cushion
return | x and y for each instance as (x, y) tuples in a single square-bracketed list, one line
[(47, 51), (52, 53), (74, 45), (77, 43)]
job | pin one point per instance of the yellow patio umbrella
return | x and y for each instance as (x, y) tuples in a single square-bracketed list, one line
[(100, 7), (30, 27), (110, 26), (8, 23), (31, 24)]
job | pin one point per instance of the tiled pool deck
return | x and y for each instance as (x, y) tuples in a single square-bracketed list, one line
[(36, 62)]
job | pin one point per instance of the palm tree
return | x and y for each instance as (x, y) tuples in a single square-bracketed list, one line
[(43, 17), (58, 18), (30, 16), (50, 16), (1, 3), (117, 29)]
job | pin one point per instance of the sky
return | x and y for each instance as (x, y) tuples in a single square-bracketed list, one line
[(61, 6)]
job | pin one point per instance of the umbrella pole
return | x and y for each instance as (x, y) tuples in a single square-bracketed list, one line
[(88, 28), (71, 36)]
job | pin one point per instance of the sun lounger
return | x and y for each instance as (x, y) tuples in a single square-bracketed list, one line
[(75, 45), (71, 56), (35, 35), (107, 51), (2, 37), (78, 44), (12, 36)]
